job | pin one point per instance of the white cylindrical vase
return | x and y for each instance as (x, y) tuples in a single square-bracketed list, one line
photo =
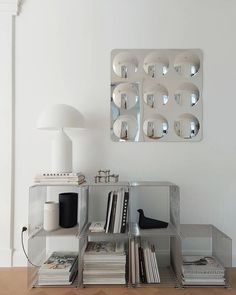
[(51, 216), (61, 153)]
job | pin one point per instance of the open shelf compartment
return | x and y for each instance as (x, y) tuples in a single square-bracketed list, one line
[(205, 240), (39, 194), (102, 240), (40, 248)]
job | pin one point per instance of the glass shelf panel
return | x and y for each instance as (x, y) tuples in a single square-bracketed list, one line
[(103, 235), (153, 232), (73, 231)]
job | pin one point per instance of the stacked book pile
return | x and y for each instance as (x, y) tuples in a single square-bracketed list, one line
[(104, 263), (117, 211), (60, 178), (143, 263), (59, 269), (200, 270)]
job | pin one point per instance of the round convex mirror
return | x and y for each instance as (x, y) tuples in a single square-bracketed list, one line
[(156, 65), (187, 95), (155, 95), (125, 127), (187, 64), (155, 127), (187, 126), (125, 95), (125, 64)]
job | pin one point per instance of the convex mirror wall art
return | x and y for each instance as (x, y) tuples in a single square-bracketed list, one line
[(156, 95)]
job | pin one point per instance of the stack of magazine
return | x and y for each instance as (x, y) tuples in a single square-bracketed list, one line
[(202, 270), (72, 178), (117, 211), (143, 263), (59, 269), (104, 263)]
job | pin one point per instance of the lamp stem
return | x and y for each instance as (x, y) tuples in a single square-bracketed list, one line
[(61, 153)]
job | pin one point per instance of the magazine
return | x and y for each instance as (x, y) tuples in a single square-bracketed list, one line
[(59, 262)]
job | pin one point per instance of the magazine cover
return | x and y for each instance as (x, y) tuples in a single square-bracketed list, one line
[(60, 261), (100, 247)]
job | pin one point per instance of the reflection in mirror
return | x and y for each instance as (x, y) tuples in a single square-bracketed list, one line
[(125, 64), (187, 126), (187, 64), (156, 65), (187, 95), (155, 127), (125, 127), (125, 95), (155, 95)]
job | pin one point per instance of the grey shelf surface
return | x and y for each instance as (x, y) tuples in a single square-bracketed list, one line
[(73, 285), (87, 232), (73, 231), (151, 183), (167, 279), (154, 232)]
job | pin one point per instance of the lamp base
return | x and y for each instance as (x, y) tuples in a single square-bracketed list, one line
[(61, 153)]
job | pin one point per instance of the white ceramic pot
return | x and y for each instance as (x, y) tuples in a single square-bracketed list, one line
[(51, 216)]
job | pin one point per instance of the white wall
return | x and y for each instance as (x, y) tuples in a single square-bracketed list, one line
[(63, 56), (6, 103)]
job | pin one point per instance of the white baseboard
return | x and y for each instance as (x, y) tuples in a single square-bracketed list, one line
[(5, 257), (19, 258)]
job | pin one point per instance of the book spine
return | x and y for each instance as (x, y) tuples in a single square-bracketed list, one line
[(137, 269), (156, 270), (145, 254), (125, 212), (141, 266), (108, 202), (150, 265), (118, 211), (109, 212), (113, 213), (133, 271), (63, 174), (121, 209)]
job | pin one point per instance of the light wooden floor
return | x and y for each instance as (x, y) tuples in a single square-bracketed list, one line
[(13, 282)]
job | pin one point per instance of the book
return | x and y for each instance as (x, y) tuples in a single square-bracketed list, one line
[(132, 257), (121, 209), (155, 265), (202, 270), (150, 264), (211, 266), (59, 262), (117, 222), (97, 226), (113, 213), (137, 270), (125, 212), (142, 273), (109, 209), (104, 263), (59, 269), (58, 175), (60, 178), (147, 268)]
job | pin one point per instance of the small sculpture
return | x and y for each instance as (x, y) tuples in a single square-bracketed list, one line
[(147, 223), (105, 176)]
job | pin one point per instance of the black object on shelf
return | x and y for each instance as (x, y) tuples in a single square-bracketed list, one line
[(68, 204), (147, 223)]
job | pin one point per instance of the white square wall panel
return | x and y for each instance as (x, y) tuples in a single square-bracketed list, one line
[(156, 95)]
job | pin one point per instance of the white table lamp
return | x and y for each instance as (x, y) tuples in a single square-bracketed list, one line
[(58, 117)]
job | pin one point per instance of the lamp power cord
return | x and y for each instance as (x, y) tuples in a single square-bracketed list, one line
[(24, 228)]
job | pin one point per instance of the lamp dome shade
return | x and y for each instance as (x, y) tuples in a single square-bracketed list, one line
[(60, 116)]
